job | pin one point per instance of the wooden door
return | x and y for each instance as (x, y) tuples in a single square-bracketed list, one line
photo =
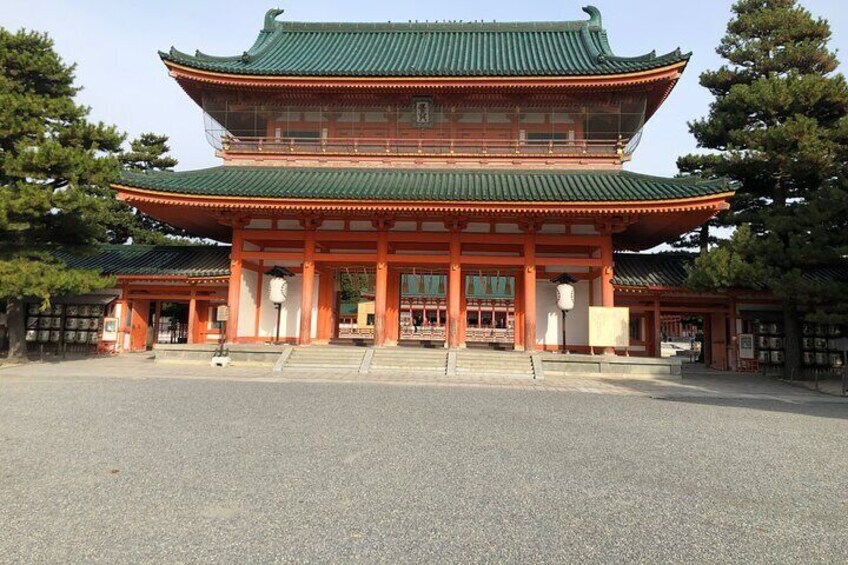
[(139, 324), (718, 341)]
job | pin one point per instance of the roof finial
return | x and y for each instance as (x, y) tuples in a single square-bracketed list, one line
[(270, 19), (594, 16)]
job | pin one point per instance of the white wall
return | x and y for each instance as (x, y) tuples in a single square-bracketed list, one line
[(290, 314), (247, 303), (549, 317)]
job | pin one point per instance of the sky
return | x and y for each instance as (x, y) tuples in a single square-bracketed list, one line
[(115, 44)]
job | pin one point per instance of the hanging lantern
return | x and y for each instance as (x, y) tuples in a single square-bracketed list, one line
[(489, 291), (508, 289), (565, 297), (278, 286), (277, 292), (405, 286), (469, 287), (440, 288)]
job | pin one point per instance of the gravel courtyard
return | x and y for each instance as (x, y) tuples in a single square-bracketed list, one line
[(113, 467)]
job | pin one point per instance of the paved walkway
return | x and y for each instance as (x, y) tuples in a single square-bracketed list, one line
[(123, 461), (703, 384)]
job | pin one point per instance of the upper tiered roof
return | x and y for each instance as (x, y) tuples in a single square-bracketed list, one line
[(427, 50)]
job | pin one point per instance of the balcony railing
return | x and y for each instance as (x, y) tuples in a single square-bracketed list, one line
[(425, 147)]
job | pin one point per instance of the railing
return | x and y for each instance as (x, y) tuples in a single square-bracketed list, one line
[(171, 331), (354, 332), (423, 333), (490, 335), (426, 147)]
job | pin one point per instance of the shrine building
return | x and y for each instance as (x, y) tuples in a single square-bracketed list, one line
[(420, 183)]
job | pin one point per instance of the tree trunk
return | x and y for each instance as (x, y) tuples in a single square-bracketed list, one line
[(16, 329), (792, 342), (704, 239)]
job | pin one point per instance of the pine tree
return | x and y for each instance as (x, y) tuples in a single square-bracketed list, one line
[(55, 165), (148, 153), (702, 166), (778, 123)]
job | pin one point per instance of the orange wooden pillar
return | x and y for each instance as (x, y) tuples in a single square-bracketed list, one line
[(733, 349), (393, 308), (307, 297), (463, 309), (381, 284), (607, 290), (234, 291), (657, 329), (530, 289), (454, 291), (123, 328), (326, 307), (518, 305), (192, 318)]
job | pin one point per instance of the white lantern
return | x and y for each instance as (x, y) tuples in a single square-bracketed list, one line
[(278, 290), (565, 297)]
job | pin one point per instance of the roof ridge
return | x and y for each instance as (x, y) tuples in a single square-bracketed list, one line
[(298, 49)]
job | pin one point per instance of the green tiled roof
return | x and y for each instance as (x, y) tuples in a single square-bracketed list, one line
[(672, 270), (446, 49), (659, 270), (156, 260), (425, 184)]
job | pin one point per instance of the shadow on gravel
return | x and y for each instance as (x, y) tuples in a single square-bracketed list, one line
[(818, 409)]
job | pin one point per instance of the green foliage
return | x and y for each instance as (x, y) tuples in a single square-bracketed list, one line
[(729, 266), (702, 166), (55, 172), (148, 153), (40, 276), (353, 285), (55, 168), (778, 122)]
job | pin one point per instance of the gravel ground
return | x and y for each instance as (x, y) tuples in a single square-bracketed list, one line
[(129, 470)]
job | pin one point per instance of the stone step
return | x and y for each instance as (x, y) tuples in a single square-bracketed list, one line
[(408, 361), (328, 355), (491, 364), (411, 361), (473, 363), (511, 369)]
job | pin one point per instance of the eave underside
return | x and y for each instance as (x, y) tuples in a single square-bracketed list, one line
[(658, 83), (636, 226)]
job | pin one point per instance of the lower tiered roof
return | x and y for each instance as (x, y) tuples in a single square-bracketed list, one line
[(433, 185), (654, 209), (189, 261)]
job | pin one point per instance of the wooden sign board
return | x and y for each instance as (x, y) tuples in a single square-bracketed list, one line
[(746, 346), (609, 327), (110, 329)]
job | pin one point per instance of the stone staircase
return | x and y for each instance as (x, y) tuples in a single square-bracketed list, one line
[(480, 363), (436, 362), (319, 358), (410, 360)]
